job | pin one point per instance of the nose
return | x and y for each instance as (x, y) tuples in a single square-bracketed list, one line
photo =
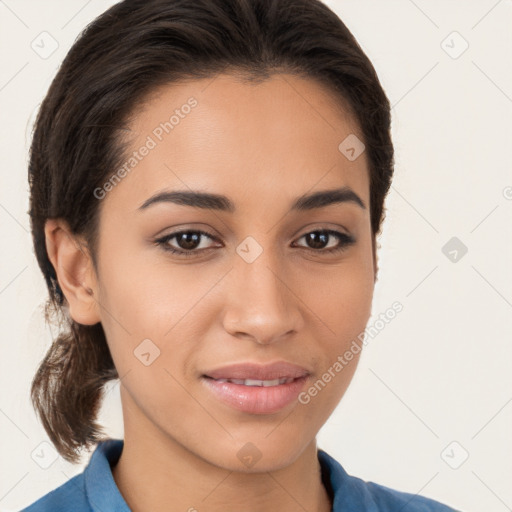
[(260, 301)]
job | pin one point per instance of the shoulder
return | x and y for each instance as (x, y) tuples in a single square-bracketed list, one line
[(94, 487), (353, 493), (391, 500), (69, 496)]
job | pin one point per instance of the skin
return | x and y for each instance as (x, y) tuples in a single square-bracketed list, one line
[(263, 146)]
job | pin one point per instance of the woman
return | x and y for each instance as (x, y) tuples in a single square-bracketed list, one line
[(207, 185)]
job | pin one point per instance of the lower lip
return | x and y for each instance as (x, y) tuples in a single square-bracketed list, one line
[(256, 399)]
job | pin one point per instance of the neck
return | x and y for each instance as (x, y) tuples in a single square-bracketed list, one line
[(156, 473)]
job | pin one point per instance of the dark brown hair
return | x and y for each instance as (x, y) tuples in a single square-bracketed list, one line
[(119, 58)]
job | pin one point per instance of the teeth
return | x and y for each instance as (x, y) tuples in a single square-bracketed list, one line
[(254, 382)]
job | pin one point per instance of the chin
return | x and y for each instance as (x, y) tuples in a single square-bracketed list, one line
[(255, 456)]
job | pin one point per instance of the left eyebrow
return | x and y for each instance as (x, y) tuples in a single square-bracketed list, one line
[(209, 201)]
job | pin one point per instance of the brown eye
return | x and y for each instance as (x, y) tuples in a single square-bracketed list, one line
[(188, 241), (318, 240)]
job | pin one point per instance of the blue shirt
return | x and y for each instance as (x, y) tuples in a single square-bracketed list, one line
[(95, 490)]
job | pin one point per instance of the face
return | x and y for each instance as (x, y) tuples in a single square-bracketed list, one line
[(262, 282)]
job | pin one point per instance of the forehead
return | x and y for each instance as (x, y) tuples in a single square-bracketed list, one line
[(243, 139)]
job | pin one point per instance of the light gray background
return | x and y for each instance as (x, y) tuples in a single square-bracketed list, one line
[(440, 372)]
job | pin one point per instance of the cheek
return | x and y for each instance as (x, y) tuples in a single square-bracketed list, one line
[(342, 307), (150, 310), (146, 296), (348, 301), (341, 296)]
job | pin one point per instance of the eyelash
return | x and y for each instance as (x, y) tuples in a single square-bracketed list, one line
[(345, 241)]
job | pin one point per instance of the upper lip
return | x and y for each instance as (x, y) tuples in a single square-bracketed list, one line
[(255, 371)]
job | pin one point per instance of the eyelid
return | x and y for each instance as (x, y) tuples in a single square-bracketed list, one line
[(305, 230), (322, 226), (345, 241), (173, 234)]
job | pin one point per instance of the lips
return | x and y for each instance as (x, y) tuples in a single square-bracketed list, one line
[(255, 388), (279, 370)]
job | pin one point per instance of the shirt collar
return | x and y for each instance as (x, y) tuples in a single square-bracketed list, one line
[(349, 493), (100, 486)]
